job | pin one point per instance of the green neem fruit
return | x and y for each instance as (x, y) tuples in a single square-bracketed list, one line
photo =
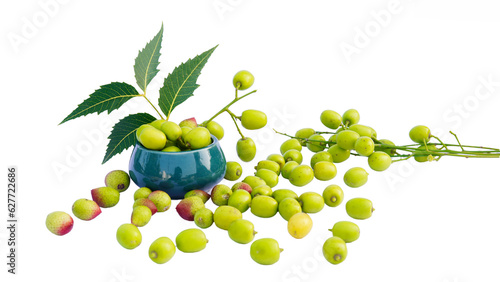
[(303, 134), (189, 122), (262, 190), (185, 131), (288, 207), (161, 250), (364, 146), (299, 225), (265, 251), (204, 196), (215, 129), (240, 199), (264, 206), (105, 197), (171, 149), (245, 148), (140, 129), (293, 155), (59, 223), (128, 236), (220, 194), (172, 130), (157, 123), (153, 139), (346, 139), (243, 80), (379, 161), (269, 176), (233, 171), (85, 209), (278, 159), (363, 130), (348, 231), (321, 156), (161, 200), (191, 240), (423, 156), (142, 192), (281, 194), (267, 164), (145, 202), (335, 250), (241, 231), (389, 151), (287, 168), (325, 170), (355, 177), (301, 175), (254, 181), (290, 144), (338, 154), (253, 119), (331, 119), (242, 186), (187, 207), (315, 143), (311, 202), (141, 215), (224, 215), (333, 195), (359, 208), (118, 179), (198, 138), (420, 134), (204, 218), (332, 140), (350, 117)]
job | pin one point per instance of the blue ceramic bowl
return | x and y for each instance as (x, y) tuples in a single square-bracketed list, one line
[(178, 172)]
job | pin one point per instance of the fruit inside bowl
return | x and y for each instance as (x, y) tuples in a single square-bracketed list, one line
[(178, 172)]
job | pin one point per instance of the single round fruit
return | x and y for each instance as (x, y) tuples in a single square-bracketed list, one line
[(338, 154), (281, 194), (85, 209), (303, 134), (379, 161), (161, 250), (224, 215), (420, 134), (355, 177), (245, 148), (191, 240), (350, 117), (269, 176), (215, 129), (267, 164), (157, 123), (254, 181), (240, 199), (301, 175), (141, 215), (140, 129), (204, 218), (243, 80), (147, 203), (128, 236), (220, 194), (262, 190), (171, 149), (346, 139), (335, 250), (287, 168), (332, 140), (364, 146), (161, 200), (233, 171), (389, 151), (363, 130), (359, 208), (325, 171), (204, 196), (299, 225), (142, 192), (264, 206), (289, 144), (172, 130), (118, 179), (316, 143), (242, 186), (59, 223), (288, 207), (333, 195), (187, 207), (311, 202), (265, 251), (105, 197), (241, 231), (198, 138), (153, 139), (321, 156), (346, 230), (189, 122), (277, 158), (293, 155), (253, 119), (330, 119)]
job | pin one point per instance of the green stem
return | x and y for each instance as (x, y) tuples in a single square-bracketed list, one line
[(228, 105), (235, 123), (144, 95), (458, 141)]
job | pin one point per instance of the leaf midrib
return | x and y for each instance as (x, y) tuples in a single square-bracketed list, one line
[(118, 144), (109, 99), (149, 63)]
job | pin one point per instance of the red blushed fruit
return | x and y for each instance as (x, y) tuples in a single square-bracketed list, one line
[(66, 227), (187, 207), (146, 202), (242, 186), (198, 193), (190, 122)]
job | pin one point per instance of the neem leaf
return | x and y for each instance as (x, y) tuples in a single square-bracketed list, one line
[(109, 97), (181, 83), (146, 63), (123, 134)]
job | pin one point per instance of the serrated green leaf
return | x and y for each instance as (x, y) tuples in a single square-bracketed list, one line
[(181, 83), (123, 134), (109, 97), (146, 63)]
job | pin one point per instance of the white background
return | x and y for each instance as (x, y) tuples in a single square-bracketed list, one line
[(424, 64)]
